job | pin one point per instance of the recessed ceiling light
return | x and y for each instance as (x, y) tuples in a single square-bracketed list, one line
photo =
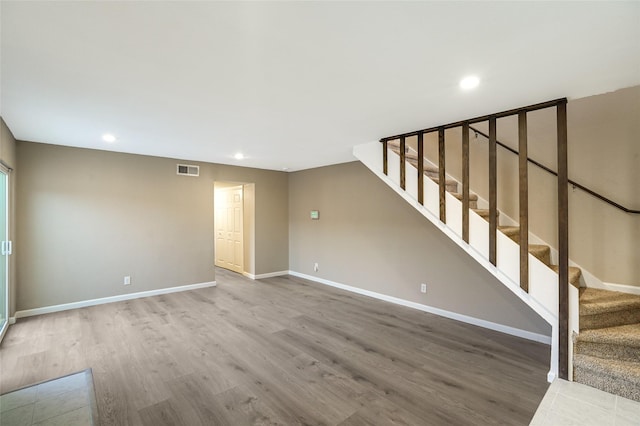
[(108, 137), (469, 82), (239, 156)]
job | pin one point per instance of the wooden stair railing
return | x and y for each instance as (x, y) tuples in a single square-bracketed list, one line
[(563, 207), (573, 183)]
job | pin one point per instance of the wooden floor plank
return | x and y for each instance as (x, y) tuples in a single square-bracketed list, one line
[(279, 351)]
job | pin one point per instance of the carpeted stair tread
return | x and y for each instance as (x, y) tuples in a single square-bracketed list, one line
[(413, 157), (542, 252), (609, 319), (621, 343), (484, 213), (613, 376), (408, 155), (512, 232), (596, 301), (429, 170), (451, 184), (628, 335), (603, 308), (574, 274), (472, 197)]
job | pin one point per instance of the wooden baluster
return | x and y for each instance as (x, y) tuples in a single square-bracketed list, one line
[(403, 156), (524, 201), (493, 192), (420, 169), (465, 182), (442, 175), (385, 170), (563, 241)]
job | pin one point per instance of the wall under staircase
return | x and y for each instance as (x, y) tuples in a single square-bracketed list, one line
[(606, 354), (543, 281)]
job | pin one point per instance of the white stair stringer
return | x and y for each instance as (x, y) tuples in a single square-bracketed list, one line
[(587, 278), (543, 282)]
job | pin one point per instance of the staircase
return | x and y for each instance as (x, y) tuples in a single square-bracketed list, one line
[(541, 252), (606, 352)]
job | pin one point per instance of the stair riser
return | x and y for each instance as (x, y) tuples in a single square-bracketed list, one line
[(609, 319), (608, 351), (614, 385)]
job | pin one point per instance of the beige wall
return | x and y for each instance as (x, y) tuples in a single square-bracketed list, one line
[(88, 218), (604, 154), (8, 156), (369, 237)]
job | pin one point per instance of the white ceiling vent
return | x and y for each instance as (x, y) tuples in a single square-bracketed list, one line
[(187, 170)]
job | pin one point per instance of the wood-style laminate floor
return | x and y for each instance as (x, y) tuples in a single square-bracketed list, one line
[(281, 351)]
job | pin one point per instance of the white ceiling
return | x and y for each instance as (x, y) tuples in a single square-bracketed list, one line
[(294, 84)]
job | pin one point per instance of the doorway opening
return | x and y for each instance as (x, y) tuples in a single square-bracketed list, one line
[(234, 222)]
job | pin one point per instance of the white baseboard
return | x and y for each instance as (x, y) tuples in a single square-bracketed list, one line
[(267, 275), (12, 320), (551, 376), (110, 299), (437, 311), (621, 287)]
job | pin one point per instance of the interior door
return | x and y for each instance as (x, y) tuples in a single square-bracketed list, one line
[(5, 252), (220, 225), (229, 225)]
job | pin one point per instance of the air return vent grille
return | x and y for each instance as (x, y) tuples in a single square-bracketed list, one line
[(188, 170)]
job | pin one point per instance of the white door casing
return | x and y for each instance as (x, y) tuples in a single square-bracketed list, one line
[(229, 225)]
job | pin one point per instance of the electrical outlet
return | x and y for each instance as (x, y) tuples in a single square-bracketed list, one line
[(315, 267), (423, 288), (127, 280)]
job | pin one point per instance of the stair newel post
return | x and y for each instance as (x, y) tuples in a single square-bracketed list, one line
[(442, 175), (493, 192), (420, 168), (403, 156), (385, 169), (563, 241), (465, 182), (524, 200)]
